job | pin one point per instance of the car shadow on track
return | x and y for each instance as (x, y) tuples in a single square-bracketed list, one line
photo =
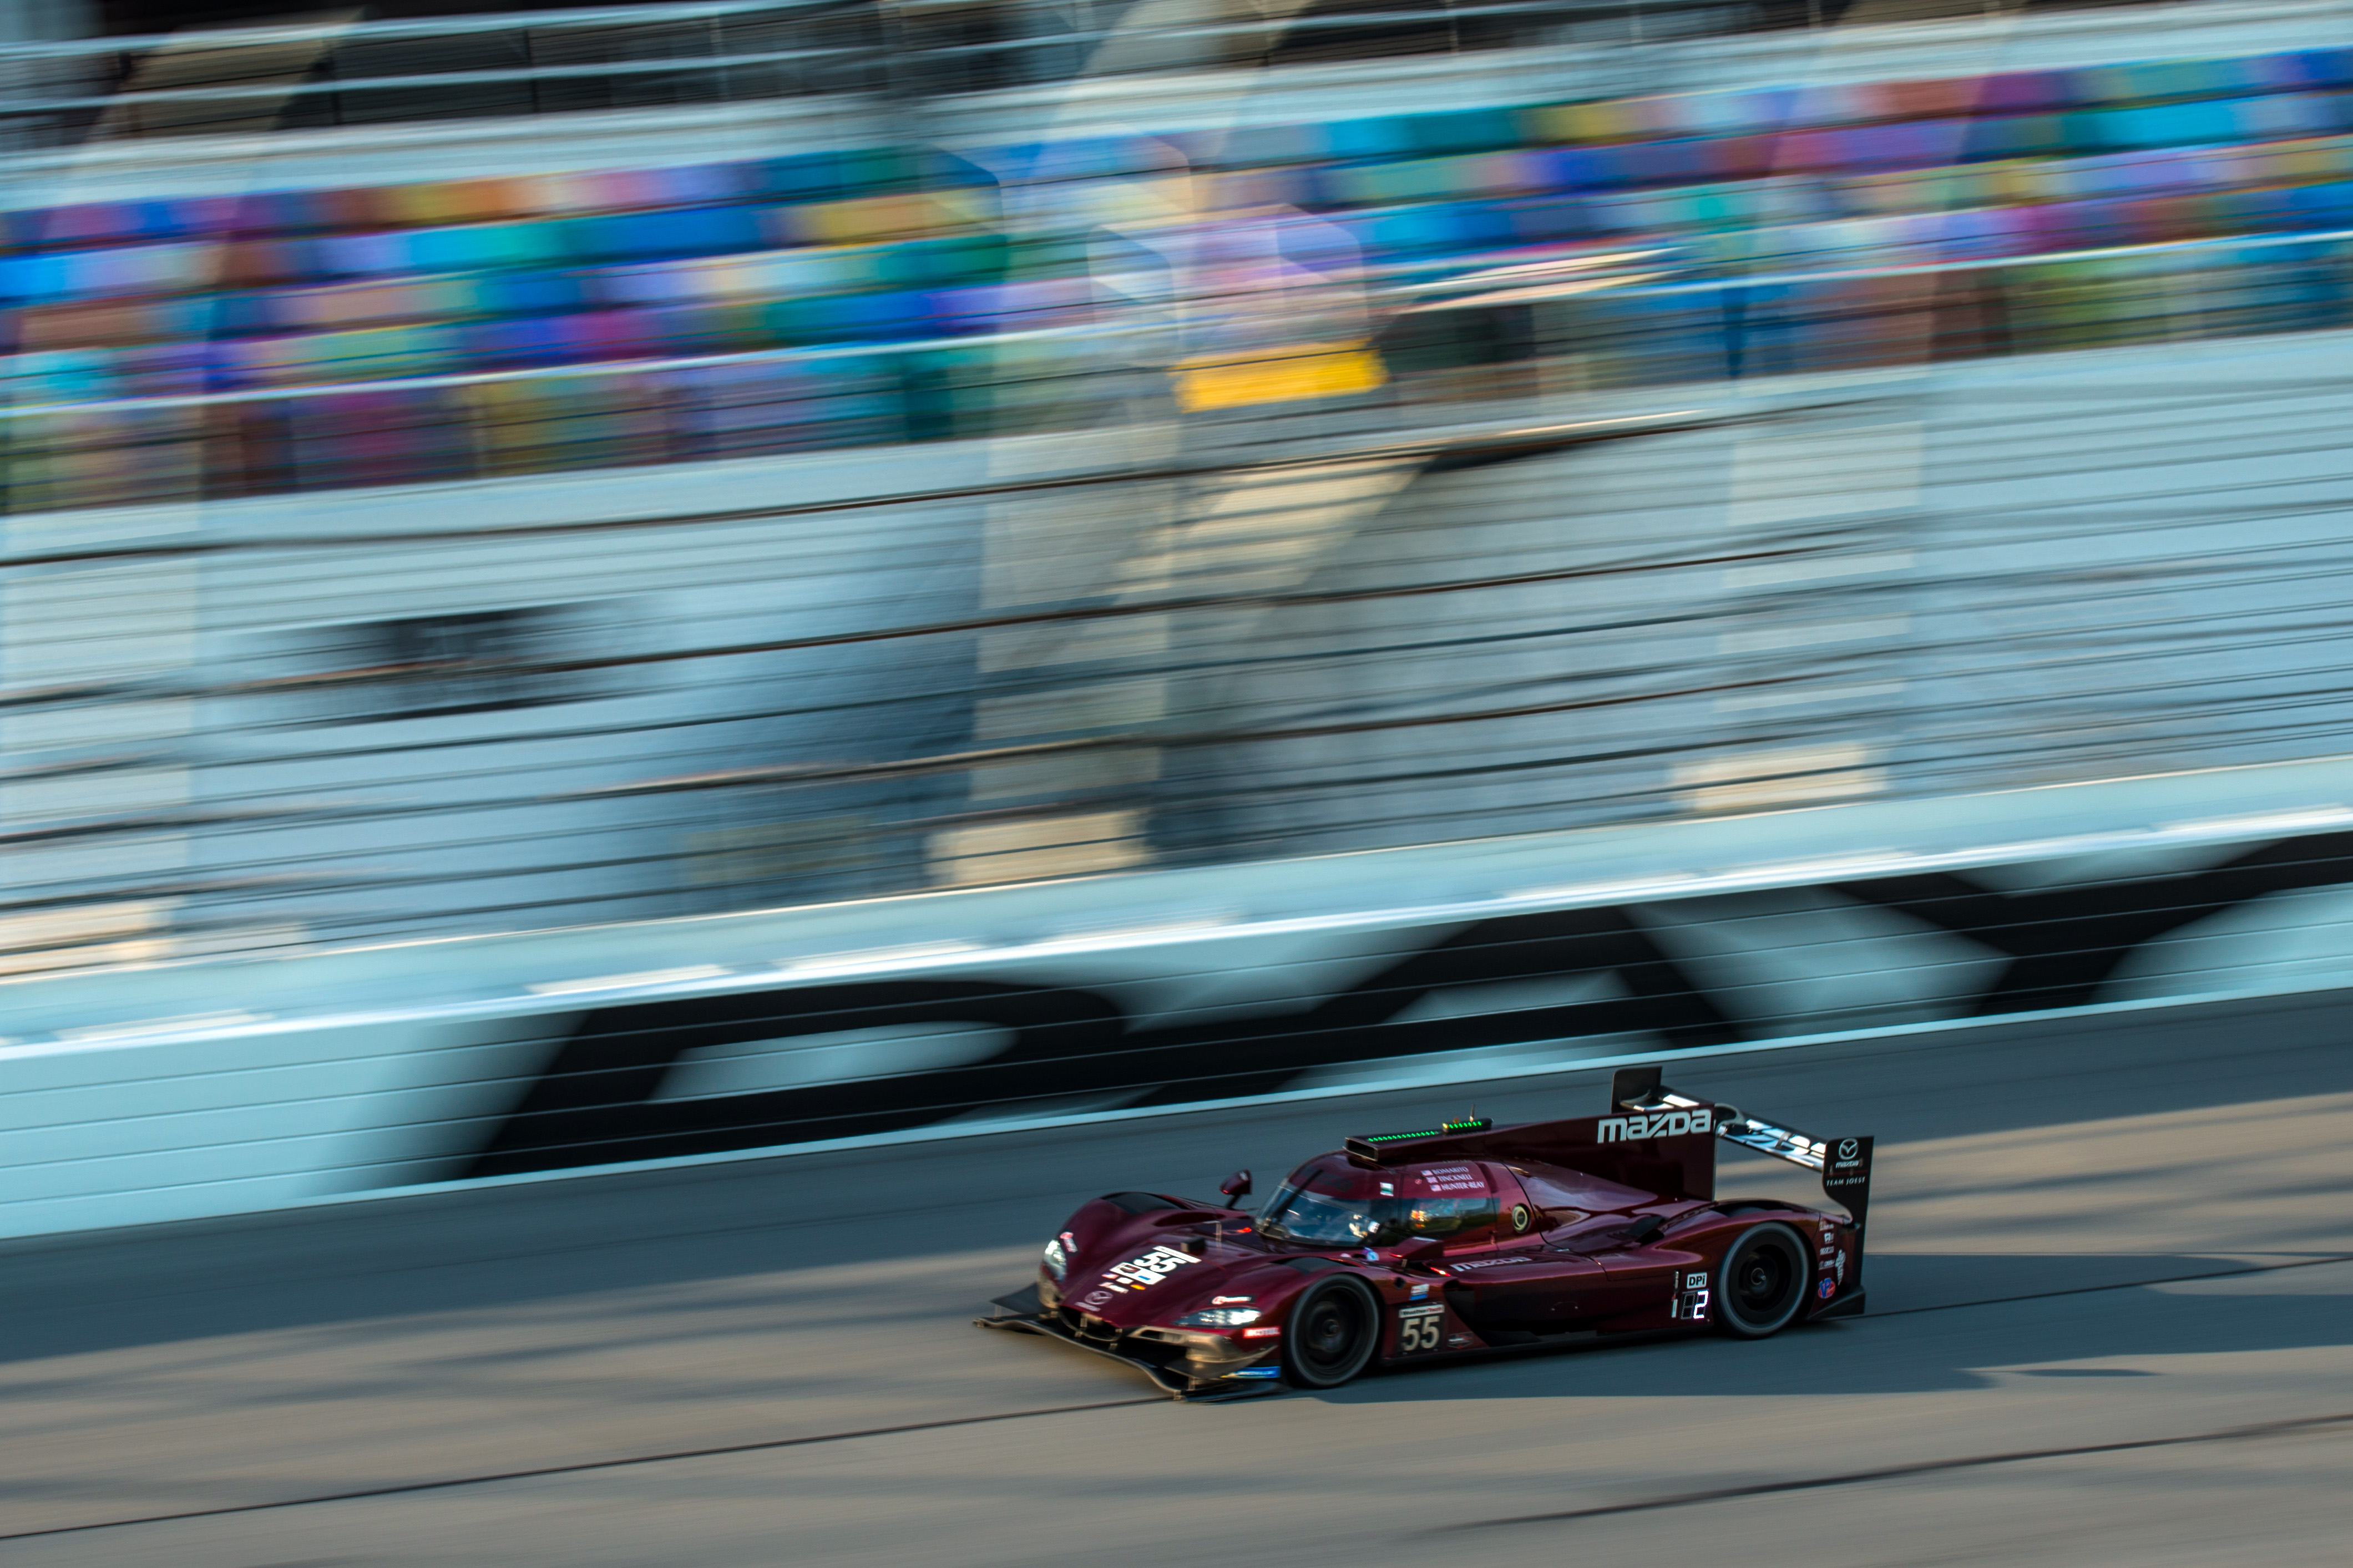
[(1973, 1334)]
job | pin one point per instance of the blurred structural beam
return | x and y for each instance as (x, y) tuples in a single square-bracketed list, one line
[(195, 83), (29, 73)]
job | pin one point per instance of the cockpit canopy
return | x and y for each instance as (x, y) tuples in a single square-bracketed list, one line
[(1330, 1202)]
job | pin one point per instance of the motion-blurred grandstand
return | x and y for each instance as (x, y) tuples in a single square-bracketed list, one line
[(472, 469)]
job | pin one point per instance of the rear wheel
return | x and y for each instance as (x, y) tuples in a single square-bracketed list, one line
[(1763, 1282), (1334, 1330)]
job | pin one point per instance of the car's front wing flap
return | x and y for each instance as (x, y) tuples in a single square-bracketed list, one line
[(1023, 1313)]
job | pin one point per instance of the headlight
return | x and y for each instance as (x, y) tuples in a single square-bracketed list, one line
[(1057, 1260), (1219, 1318)]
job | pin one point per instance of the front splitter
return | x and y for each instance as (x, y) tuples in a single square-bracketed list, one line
[(1023, 1313)]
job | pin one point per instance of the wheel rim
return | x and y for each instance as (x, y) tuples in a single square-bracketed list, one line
[(1763, 1283), (1764, 1275), (1329, 1339)]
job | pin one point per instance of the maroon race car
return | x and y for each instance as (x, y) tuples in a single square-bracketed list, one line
[(1456, 1241)]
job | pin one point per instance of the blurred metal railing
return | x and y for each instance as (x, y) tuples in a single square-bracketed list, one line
[(209, 81)]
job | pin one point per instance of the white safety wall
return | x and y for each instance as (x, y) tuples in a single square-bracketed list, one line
[(164, 1119)]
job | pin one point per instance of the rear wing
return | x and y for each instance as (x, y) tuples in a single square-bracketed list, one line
[(1844, 1163), (1651, 1139)]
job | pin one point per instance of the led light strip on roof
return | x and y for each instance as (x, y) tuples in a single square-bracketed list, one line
[(1470, 1124), (1368, 1146)]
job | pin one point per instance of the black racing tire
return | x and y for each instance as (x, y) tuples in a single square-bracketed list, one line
[(1334, 1328), (1762, 1282)]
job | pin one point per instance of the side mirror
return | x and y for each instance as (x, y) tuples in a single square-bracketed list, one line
[(1237, 1185)]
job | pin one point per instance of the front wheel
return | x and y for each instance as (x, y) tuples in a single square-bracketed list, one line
[(1334, 1330), (1763, 1282)]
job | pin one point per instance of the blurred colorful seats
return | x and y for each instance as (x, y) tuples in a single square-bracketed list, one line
[(851, 256)]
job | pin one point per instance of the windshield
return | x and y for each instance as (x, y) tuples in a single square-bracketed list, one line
[(1319, 1219)]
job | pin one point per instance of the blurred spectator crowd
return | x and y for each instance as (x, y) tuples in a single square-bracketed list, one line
[(299, 339)]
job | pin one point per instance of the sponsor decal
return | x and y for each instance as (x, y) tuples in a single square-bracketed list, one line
[(1389, 1189), (1697, 1281), (1654, 1124), (1419, 1292), (1827, 1288), (1094, 1299), (598, 1097), (1482, 1263), (1145, 1272), (1229, 1300), (1846, 1174)]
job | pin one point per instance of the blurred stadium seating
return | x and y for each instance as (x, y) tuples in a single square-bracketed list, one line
[(308, 338)]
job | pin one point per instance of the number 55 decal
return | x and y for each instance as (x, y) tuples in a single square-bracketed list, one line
[(1417, 1329)]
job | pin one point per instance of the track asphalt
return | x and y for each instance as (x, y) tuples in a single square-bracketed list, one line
[(2112, 1290)]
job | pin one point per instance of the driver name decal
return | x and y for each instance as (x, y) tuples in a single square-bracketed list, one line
[(1437, 1179), (1655, 1124)]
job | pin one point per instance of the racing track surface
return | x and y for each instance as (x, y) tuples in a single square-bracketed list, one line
[(2111, 1274)]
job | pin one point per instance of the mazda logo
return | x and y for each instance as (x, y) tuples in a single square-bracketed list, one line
[(1849, 1148)]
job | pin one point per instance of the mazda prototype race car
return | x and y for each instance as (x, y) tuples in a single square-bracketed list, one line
[(1456, 1241)]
